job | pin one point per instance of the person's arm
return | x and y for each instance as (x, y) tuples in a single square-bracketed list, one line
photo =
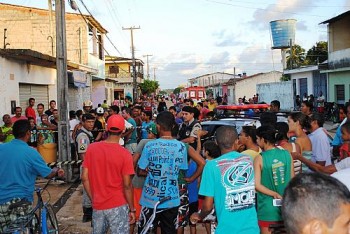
[(99, 136), (59, 172), (207, 207), (257, 174), (195, 156), (314, 166), (86, 182), (189, 139), (292, 174), (129, 196)]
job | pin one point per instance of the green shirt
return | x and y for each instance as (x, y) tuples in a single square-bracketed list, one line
[(275, 175), (9, 136)]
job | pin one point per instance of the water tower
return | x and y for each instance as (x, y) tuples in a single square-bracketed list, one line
[(283, 36)]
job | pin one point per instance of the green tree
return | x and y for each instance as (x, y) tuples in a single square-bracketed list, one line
[(285, 77), (295, 57), (177, 90), (149, 86), (163, 93), (317, 54)]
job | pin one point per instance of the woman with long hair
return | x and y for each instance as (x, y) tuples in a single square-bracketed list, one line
[(298, 122)]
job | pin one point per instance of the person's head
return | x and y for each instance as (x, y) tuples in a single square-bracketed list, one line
[(55, 114), (105, 101), (227, 138), (113, 110), (92, 112), (266, 136), (210, 150), (268, 118), (196, 113), (172, 110), (298, 120), (316, 121), (44, 118), (88, 121), (136, 111), (126, 112), (146, 116), (165, 122), (18, 111), (212, 101), (40, 108), (21, 130), (210, 115), (115, 125), (347, 110), (345, 131), (31, 102), (6, 118), (152, 131), (282, 131), (52, 104), (87, 106), (72, 114), (79, 114), (275, 106), (187, 113), (31, 122), (247, 135), (100, 111), (199, 106), (316, 203), (306, 107)]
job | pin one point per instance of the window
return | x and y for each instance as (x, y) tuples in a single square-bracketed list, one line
[(192, 94), (340, 94), (200, 94), (113, 69)]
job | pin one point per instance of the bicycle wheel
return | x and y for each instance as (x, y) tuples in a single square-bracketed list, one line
[(51, 220)]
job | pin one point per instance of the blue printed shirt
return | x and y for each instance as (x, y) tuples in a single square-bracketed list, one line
[(229, 179), (163, 159), (19, 167)]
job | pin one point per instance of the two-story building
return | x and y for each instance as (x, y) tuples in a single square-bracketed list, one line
[(338, 58), (119, 77), (29, 38)]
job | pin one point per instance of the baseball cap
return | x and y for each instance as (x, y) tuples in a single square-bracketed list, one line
[(152, 128), (100, 110), (115, 123)]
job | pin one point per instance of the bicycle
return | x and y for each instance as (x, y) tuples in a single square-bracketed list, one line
[(41, 219), (149, 227)]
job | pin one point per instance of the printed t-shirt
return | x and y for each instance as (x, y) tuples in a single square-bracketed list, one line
[(144, 129), (133, 137), (275, 175), (19, 167), (163, 158), (139, 181), (229, 179), (9, 137), (107, 163)]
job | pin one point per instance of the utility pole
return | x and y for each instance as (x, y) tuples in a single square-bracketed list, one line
[(62, 86), (234, 85), (154, 74), (133, 61), (147, 55)]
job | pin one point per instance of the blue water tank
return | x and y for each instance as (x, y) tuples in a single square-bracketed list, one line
[(282, 32)]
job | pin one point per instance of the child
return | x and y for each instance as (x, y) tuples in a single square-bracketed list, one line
[(33, 133), (344, 150)]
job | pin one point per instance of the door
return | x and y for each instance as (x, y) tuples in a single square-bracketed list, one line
[(303, 87), (39, 92)]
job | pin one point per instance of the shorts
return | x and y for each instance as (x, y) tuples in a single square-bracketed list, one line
[(137, 197), (165, 219), (117, 219), (183, 212), (13, 210), (268, 223)]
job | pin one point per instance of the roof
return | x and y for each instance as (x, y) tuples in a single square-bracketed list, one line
[(39, 59), (334, 19), (69, 15)]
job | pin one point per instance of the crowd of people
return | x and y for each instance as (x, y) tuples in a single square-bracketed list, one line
[(136, 154)]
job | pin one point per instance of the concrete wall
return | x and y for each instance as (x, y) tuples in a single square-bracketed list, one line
[(247, 87), (339, 34), (29, 28), (338, 78), (98, 92), (281, 91), (301, 75), (14, 72)]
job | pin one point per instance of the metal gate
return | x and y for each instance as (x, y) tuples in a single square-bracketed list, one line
[(39, 92)]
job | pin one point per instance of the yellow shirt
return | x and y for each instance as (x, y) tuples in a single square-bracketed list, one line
[(251, 153), (211, 107)]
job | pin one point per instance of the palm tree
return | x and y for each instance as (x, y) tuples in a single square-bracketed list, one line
[(295, 57)]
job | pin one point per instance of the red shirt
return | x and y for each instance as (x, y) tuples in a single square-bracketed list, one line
[(14, 118), (106, 164), (30, 112)]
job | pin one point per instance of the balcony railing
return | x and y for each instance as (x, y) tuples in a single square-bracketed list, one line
[(124, 77)]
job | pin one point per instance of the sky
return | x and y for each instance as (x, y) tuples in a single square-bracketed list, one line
[(190, 38)]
